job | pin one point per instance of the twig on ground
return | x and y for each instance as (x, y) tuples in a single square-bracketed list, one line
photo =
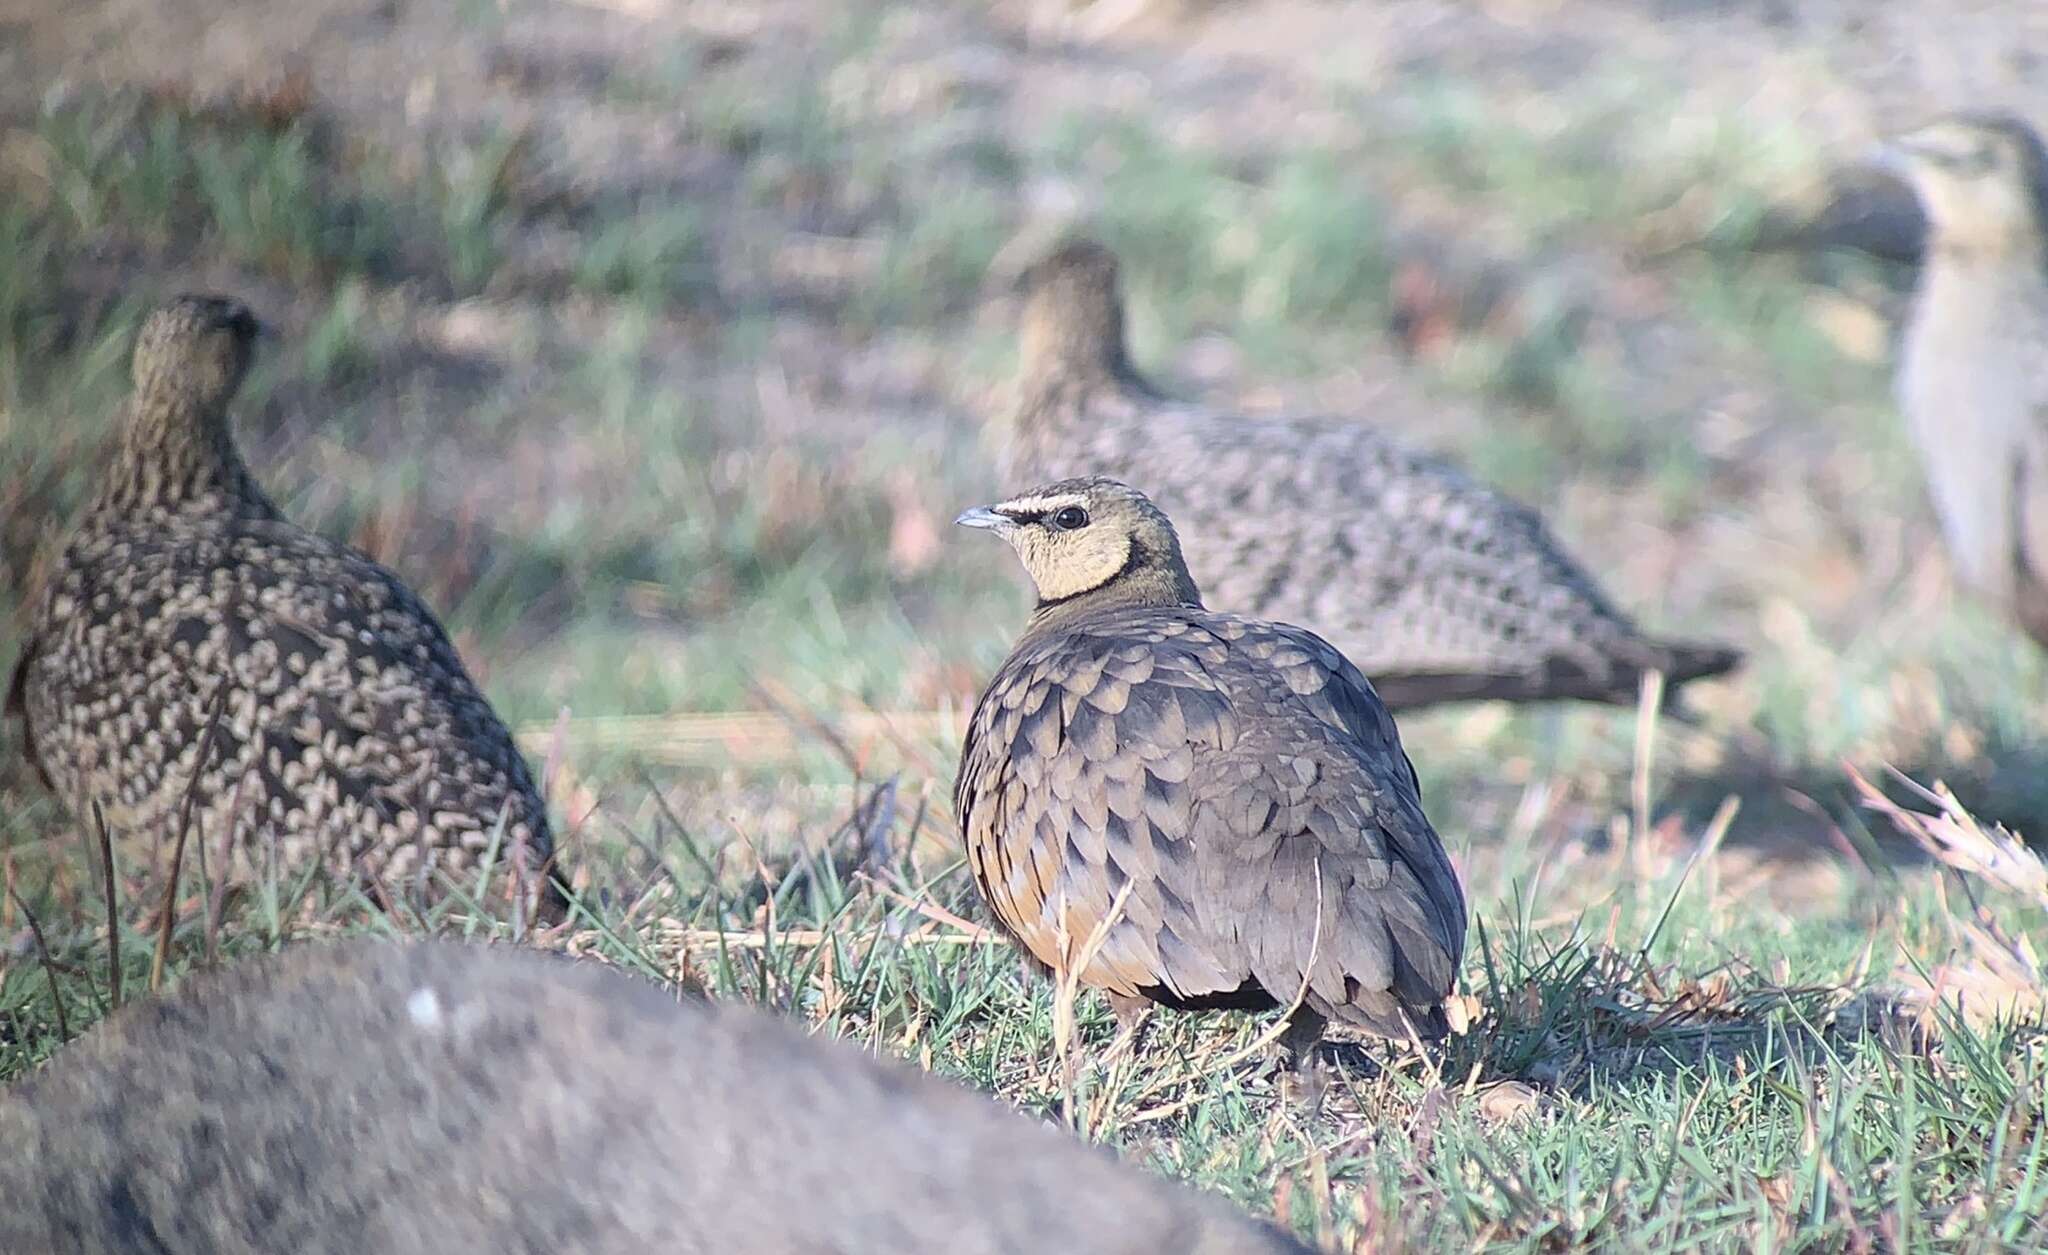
[(99, 820), (35, 929)]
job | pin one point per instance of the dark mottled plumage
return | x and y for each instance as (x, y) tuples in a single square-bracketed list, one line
[(434, 1099), (350, 730), (1973, 367), (1440, 588), (1239, 775)]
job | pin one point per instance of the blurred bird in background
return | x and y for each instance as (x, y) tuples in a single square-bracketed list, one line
[(1973, 365)]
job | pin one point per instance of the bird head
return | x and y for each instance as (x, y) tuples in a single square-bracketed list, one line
[(1089, 536), (1073, 316), (1981, 179), (195, 350)]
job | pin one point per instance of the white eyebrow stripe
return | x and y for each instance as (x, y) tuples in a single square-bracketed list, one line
[(1040, 505)]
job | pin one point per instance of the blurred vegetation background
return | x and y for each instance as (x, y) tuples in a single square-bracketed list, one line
[(653, 342)]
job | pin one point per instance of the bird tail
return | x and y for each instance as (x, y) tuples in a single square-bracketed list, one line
[(1617, 681), (1687, 661), (1684, 662)]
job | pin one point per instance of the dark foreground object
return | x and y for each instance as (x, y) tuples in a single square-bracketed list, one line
[(442, 1099)]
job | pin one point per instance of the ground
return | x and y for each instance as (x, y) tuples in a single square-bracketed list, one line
[(654, 343)]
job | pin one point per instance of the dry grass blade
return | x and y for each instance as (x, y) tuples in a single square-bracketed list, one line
[(2001, 974), (169, 914), (35, 929), (1650, 701), (809, 937), (1075, 962), (558, 744), (1717, 831), (1319, 1191), (489, 862), (938, 914), (99, 820), (1955, 839), (798, 713), (1265, 1040)]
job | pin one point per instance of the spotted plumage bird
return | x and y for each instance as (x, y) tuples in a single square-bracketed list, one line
[(1235, 781), (190, 637), (1973, 365), (1439, 588)]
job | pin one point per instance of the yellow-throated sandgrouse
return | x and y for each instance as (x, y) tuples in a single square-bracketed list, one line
[(1439, 588), (348, 730), (1238, 776), (1973, 366)]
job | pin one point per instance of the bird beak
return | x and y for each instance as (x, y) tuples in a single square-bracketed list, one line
[(983, 517)]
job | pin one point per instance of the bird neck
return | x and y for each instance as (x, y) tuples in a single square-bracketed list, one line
[(1147, 579), (1978, 303), (178, 453), (1054, 405)]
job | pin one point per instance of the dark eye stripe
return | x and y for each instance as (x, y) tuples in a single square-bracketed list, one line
[(1019, 515)]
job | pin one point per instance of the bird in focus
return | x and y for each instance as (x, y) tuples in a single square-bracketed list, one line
[(1224, 798), (436, 1098), (191, 638), (1973, 363), (1440, 588)]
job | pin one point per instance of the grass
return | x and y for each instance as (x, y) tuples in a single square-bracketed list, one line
[(1275, 255), (652, 256), (1651, 1063), (467, 190), (162, 173), (934, 266), (653, 482)]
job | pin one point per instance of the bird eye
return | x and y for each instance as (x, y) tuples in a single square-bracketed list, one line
[(1070, 518), (1968, 163)]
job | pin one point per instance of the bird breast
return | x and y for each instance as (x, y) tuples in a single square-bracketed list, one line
[(1969, 386)]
